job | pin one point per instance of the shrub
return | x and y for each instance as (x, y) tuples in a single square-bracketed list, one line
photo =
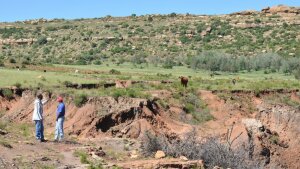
[(12, 60), (42, 40), (18, 85), (80, 62), (214, 153), (297, 74), (173, 14), (189, 108), (169, 63), (274, 139), (8, 94), (97, 62), (1, 63), (80, 100), (211, 151), (114, 72), (139, 58), (67, 83), (119, 93), (83, 156)]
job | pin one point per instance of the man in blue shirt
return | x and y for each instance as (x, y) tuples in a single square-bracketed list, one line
[(60, 118)]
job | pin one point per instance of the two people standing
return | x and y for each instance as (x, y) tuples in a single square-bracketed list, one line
[(37, 117)]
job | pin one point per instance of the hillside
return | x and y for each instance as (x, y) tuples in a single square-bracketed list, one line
[(153, 39), (154, 91)]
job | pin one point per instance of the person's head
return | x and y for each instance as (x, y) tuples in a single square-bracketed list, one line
[(60, 99), (39, 96)]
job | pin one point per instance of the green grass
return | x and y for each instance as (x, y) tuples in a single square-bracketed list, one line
[(278, 98), (25, 129), (274, 139), (3, 125), (199, 79), (5, 143), (82, 155), (80, 100)]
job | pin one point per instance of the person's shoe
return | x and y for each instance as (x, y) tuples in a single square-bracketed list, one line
[(42, 140)]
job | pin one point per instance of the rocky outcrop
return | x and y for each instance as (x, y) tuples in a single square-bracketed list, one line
[(247, 12), (29, 41), (38, 21), (281, 9), (17, 41)]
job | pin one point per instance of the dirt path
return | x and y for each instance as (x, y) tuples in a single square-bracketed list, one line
[(33, 153)]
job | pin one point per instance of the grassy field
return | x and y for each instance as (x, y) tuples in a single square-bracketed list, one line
[(54, 81), (198, 79)]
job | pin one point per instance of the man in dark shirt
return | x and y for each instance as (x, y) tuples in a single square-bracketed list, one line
[(60, 117)]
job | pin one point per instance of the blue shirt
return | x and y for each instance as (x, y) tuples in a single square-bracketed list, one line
[(60, 112)]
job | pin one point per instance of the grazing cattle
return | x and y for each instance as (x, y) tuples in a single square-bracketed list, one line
[(184, 81), (45, 70)]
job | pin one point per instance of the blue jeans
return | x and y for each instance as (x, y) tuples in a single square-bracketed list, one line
[(59, 129), (39, 129)]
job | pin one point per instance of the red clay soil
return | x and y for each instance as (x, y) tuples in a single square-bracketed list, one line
[(280, 121), (122, 117), (102, 116), (224, 117)]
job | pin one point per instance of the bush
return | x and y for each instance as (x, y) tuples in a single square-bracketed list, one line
[(114, 72), (214, 153), (42, 40), (67, 83), (12, 60), (297, 74), (133, 93), (18, 85), (8, 94), (169, 63), (97, 62), (211, 151), (274, 139), (119, 93), (1, 63), (83, 156), (80, 62), (80, 100), (174, 148)]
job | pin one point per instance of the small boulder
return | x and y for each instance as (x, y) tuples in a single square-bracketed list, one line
[(160, 154), (183, 158), (134, 154)]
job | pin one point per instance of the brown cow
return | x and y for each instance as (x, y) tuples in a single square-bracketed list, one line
[(184, 81)]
